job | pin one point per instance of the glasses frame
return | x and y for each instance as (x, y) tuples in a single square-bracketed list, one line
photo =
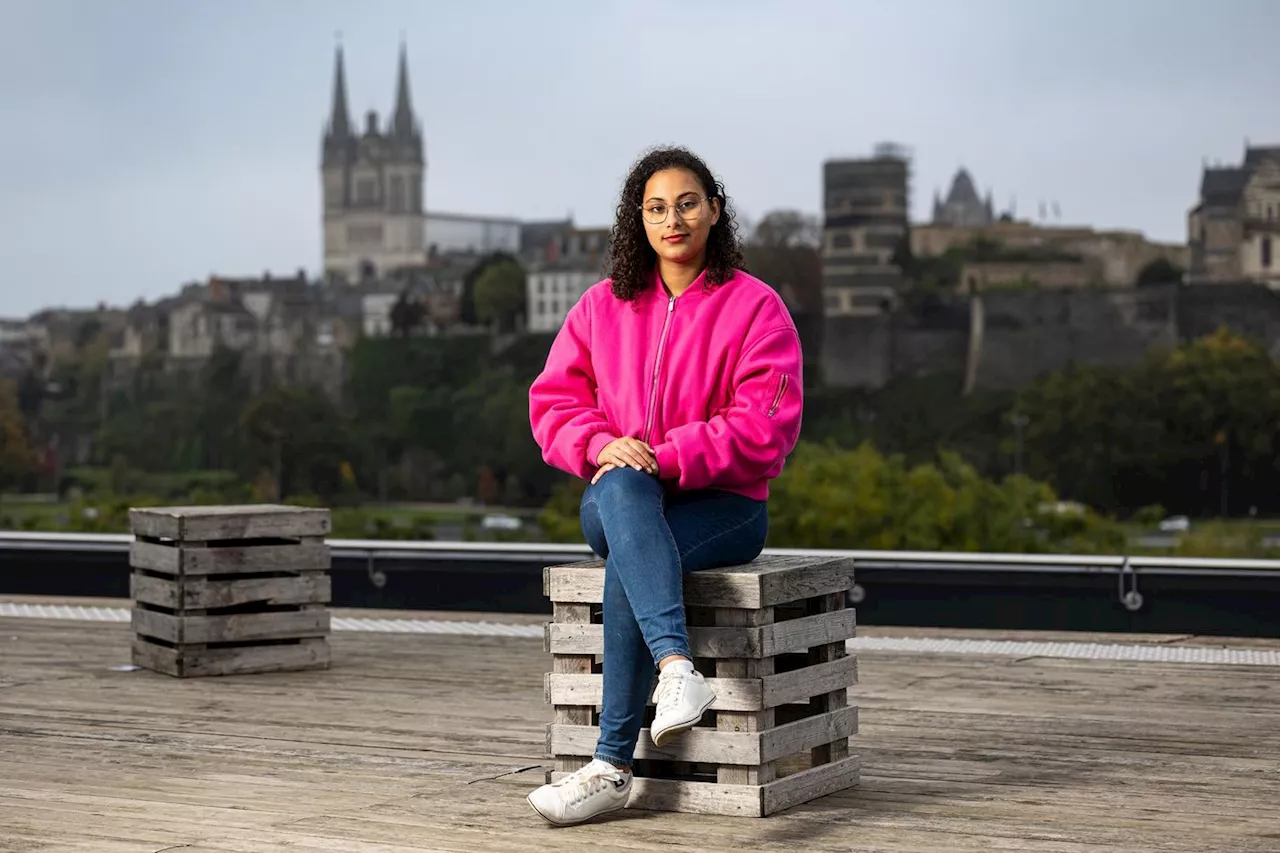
[(702, 201)]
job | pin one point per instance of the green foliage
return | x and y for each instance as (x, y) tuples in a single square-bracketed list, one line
[(500, 294), (559, 518), (1149, 516), (829, 497), (1185, 429), (18, 459)]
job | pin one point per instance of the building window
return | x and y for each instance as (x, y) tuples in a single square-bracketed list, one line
[(542, 306), (842, 240), (1266, 253), (542, 288), (366, 191)]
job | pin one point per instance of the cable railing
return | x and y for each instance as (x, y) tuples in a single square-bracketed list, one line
[(394, 549)]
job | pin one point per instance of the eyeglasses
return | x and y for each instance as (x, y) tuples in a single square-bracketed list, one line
[(655, 212)]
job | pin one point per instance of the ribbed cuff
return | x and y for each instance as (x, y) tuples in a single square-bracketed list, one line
[(597, 443), (668, 462)]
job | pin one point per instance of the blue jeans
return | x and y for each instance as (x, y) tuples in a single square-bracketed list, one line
[(648, 539)]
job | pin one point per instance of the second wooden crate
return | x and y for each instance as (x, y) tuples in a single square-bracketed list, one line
[(221, 590)]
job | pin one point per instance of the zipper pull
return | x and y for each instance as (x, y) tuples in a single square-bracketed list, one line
[(671, 304)]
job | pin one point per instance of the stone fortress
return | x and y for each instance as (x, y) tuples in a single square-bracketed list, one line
[(1028, 299)]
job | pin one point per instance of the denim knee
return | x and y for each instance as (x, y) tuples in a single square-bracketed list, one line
[(625, 484)]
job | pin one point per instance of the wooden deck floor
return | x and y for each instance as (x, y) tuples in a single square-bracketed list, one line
[(429, 743)]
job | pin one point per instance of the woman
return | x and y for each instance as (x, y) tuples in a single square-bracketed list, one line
[(674, 387)]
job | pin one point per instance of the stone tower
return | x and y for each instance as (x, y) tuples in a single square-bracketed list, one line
[(372, 186)]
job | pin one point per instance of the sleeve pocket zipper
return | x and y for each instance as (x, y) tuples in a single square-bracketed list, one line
[(777, 397)]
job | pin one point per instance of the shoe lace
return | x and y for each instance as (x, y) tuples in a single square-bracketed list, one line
[(670, 689), (584, 782)]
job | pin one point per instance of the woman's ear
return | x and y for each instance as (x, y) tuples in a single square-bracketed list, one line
[(715, 210)]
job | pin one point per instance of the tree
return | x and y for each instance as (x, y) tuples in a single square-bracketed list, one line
[(407, 314), (1159, 271), (467, 310), (830, 497), (787, 229), (1192, 429), (18, 460), (501, 295)]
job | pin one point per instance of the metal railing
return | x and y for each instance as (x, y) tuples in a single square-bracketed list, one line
[(377, 556), (390, 549)]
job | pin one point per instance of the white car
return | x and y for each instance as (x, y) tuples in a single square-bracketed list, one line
[(1175, 524), (500, 522)]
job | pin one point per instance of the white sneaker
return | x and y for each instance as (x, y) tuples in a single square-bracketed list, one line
[(593, 790), (682, 699)]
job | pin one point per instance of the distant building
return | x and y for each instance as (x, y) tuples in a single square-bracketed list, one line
[(372, 186), (1234, 230), (463, 234), (1047, 256), (963, 208), (866, 205), (563, 262)]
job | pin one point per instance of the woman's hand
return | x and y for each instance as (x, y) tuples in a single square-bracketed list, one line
[(625, 452)]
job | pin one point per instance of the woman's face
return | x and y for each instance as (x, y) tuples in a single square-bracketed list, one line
[(678, 216)]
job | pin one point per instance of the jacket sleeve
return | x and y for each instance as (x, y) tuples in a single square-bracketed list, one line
[(752, 437), (567, 422)]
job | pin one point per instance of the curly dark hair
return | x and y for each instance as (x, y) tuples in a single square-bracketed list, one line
[(631, 258)]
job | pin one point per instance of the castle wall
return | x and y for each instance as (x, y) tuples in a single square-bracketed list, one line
[(1028, 335)]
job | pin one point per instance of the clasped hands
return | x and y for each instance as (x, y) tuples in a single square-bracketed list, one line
[(625, 452)]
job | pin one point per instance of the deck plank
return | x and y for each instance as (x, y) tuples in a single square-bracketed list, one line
[(429, 743)]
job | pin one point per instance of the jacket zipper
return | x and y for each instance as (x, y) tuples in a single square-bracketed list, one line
[(651, 412), (777, 398)]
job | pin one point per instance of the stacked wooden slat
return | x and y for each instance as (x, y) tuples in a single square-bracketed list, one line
[(773, 633), (221, 590)]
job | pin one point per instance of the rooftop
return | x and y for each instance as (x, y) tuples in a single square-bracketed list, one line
[(426, 734)]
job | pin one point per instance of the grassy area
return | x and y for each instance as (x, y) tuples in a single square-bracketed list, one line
[(389, 521), (1229, 538)]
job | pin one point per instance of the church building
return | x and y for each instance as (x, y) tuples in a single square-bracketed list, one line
[(372, 186)]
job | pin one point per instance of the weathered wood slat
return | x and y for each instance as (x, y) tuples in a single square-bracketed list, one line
[(835, 750), (809, 681), (187, 560), (230, 628), (183, 663), (218, 523), (716, 798), (757, 771), (809, 785), (574, 715), (764, 582), (732, 694), (711, 746), (201, 593), (697, 744), (789, 637), (736, 694)]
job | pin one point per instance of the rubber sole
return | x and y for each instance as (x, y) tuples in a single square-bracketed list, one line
[(662, 736), (553, 822)]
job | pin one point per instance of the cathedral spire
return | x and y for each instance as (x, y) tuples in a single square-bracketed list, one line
[(402, 124), (339, 118)]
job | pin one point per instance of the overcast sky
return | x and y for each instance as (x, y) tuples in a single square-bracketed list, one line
[(145, 143)]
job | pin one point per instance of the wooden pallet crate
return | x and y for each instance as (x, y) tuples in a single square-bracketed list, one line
[(773, 633), (222, 590)]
